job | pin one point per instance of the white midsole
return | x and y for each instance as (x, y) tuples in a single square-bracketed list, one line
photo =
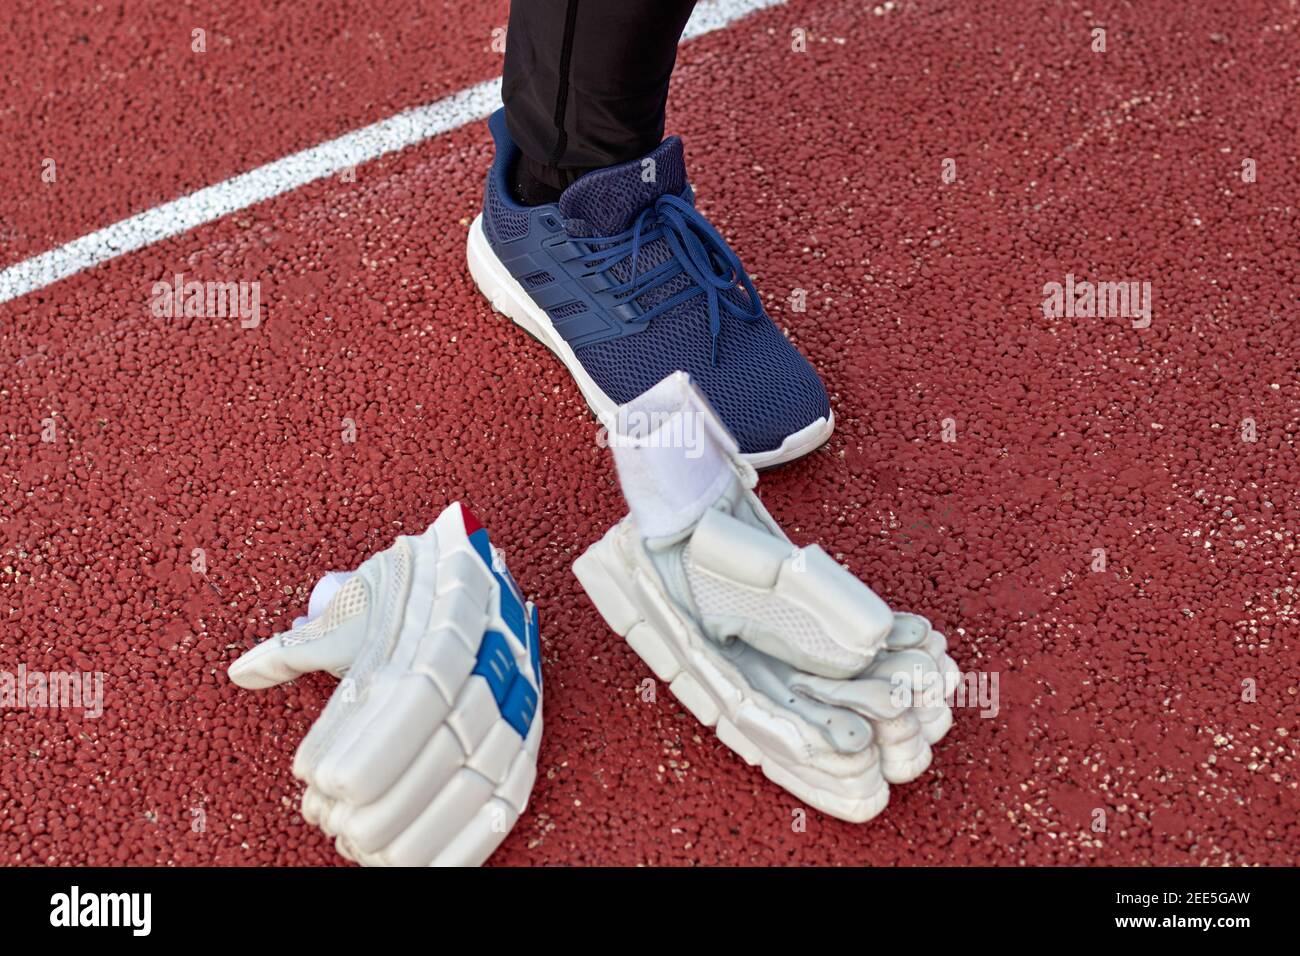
[(786, 752), (509, 298)]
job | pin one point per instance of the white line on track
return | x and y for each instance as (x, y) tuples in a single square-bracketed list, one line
[(297, 169)]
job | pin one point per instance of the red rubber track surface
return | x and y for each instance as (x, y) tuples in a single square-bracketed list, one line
[(116, 95), (1161, 690)]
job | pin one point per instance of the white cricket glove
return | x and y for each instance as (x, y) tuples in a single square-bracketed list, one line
[(426, 752), (801, 668)]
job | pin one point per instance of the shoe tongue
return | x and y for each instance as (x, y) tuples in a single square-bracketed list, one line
[(606, 201)]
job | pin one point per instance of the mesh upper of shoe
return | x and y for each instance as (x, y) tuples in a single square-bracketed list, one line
[(605, 202), (508, 224), (760, 384)]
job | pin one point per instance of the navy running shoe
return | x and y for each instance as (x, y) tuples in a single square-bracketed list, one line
[(627, 282)]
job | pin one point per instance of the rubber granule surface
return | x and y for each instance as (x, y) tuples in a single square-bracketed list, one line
[(1098, 511)]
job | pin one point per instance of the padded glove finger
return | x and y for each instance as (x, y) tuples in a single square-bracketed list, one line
[(426, 752), (327, 641)]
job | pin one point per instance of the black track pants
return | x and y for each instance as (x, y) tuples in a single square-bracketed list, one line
[(586, 81)]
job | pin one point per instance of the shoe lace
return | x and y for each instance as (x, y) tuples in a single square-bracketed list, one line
[(698, 251)]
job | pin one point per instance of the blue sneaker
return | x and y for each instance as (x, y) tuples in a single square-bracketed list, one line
[(626, 282)]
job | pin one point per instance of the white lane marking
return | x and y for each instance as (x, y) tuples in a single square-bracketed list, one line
[(297, 169)]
